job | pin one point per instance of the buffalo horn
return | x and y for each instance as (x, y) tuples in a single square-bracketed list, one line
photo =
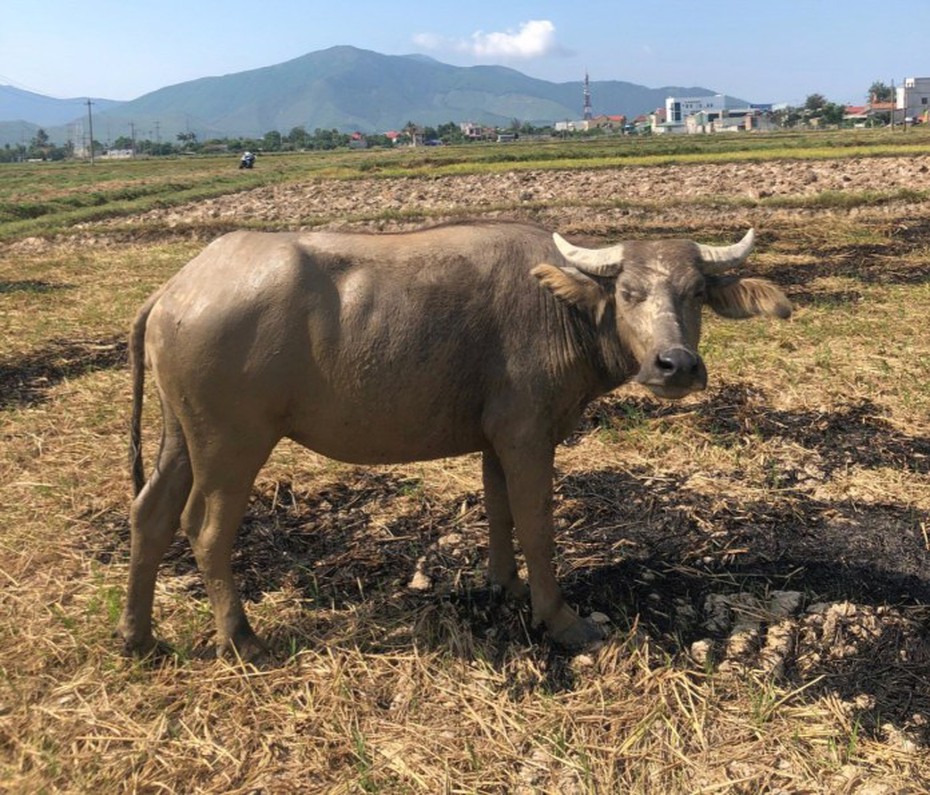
[(717, 259), (593, 261)]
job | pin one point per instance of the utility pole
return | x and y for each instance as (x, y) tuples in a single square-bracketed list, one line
[(904, 122), (894, 103), (90, 124), (132, 133)]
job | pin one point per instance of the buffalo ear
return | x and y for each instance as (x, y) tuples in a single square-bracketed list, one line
[(573, 287), (733, 297)]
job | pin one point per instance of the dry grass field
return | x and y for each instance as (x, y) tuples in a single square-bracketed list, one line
[(761, 551)]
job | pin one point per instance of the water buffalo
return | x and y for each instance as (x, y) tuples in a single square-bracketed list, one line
[(366, 348)]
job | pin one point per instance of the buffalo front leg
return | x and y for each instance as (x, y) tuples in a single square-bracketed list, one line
[(529, 473), (154, 519), (502, 563)]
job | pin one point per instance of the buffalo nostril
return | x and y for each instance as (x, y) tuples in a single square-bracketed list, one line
[(665, 364), (677, 360), (674, 372), (678, 365)]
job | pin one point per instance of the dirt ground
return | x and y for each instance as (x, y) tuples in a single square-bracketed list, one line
[(840, 576), (560, 199), (769, 525)]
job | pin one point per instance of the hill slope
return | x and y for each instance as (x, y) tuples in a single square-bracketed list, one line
[(351, 89), (22, 113), (17, 105)]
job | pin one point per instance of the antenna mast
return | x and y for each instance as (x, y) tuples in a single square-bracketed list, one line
[(588, 115)]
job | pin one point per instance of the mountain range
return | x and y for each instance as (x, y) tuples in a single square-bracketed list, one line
[(342, 88)]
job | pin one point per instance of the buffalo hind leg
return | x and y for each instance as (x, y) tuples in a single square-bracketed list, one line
[(220, 494), (529, 472), (502, 564), (154, 519)]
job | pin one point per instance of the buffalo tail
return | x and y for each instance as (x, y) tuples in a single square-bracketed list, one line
[(137, 366)]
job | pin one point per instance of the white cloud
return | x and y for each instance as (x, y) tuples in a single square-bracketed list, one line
[(534, 39), (429, 41)]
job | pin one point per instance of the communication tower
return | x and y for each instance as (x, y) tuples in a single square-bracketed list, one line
[(588, 115)]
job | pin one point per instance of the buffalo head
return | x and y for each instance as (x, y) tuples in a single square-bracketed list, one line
[(649, 294)]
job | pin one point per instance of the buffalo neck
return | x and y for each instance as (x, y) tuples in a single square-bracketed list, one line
[(583, 351)]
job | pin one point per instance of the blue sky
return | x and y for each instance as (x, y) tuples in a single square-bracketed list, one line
[(759, 50)]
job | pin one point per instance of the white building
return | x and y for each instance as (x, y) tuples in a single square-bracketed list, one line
[(913, 97), (712, 114), (580, 125), (678, 109)]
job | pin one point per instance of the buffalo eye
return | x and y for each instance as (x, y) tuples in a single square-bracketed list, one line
[(631, 296)]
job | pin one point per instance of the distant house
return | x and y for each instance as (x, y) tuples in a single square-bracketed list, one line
[(411, 136), (881, 107), (912, 98), (736, 120), (868, 114), (607, 123), (610, 123), (357, 141), (477, 132), (858, 115), (710, 114), (678, 109), (117, 154), (640, 124), (657, 120)]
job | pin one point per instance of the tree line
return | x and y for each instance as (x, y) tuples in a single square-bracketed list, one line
[(299, 139), (816, 110)]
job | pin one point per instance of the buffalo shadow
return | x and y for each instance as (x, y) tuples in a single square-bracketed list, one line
[(25, 380), (855, 433), (640, 547), (869, 264)]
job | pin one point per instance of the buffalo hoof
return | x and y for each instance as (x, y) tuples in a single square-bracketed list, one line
[(514, 589), (580, 635), (147, 649), (245, 648)]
